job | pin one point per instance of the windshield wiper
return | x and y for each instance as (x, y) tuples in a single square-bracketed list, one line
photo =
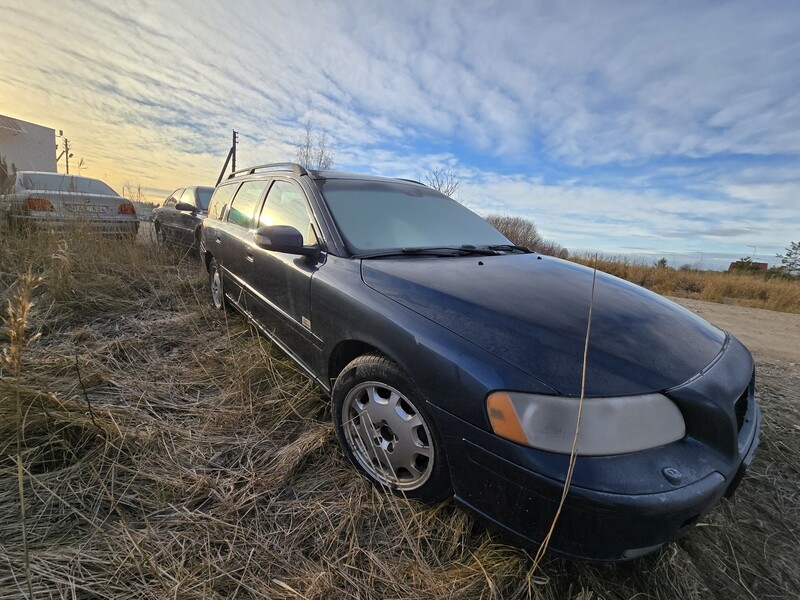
[(522, 249), (430, 251)]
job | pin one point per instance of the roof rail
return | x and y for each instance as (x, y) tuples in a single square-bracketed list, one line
[(410, 180), (296, 169)]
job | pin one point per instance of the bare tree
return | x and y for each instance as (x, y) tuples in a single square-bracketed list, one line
[(314, 152), (443, 180), (523, 232)]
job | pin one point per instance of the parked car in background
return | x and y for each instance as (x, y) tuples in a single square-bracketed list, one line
[(55, 201), (454, 360), (179, 218)]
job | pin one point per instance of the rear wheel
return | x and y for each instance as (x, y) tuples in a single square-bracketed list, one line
[(215, 285), (161, 235), (383, 429)]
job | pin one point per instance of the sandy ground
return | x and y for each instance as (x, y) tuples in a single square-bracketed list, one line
[(771, 336)]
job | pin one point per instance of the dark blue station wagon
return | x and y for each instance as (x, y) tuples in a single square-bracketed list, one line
[(454, 360)]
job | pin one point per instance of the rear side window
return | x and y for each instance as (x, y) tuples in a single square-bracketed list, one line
[(244, 204), (220, 201)]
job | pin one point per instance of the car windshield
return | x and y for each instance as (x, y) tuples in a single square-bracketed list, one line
[(65, 183), (203, 197), (379, 215)]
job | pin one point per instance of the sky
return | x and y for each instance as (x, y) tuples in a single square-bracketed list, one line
[(648, 129)]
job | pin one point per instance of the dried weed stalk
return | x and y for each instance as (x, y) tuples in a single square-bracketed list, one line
[(19, 310)]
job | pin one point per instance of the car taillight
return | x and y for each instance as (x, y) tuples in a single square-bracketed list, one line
[(38, 204), (126, 208)]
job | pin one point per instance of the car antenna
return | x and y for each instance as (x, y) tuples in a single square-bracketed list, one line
[(573, 452)]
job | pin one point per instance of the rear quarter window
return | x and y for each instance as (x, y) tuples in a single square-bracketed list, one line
[(220, 200)]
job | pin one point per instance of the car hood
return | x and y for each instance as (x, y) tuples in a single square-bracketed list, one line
[(532, 312)]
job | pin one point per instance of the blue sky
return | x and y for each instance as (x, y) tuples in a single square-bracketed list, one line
[(641, 128)]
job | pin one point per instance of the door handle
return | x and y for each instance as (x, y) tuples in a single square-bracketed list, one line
[(218, 239), (248, 253)]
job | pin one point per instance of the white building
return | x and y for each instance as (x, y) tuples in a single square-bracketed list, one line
[(29, 147)]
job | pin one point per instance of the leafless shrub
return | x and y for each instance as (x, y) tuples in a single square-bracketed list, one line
[(754, 290), (8, 175), (523, 232)]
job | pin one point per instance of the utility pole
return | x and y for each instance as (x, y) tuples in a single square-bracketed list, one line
[(65, 151), (231, 156), (234, 141), (753, 257)]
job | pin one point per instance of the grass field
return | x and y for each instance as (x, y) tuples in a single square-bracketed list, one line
[(754, 290), (167, 451)]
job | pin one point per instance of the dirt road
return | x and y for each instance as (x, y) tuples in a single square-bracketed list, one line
[(769, 335)]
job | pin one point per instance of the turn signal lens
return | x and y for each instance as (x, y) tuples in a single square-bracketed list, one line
[(38, 204), (503, 418), (126, 208)]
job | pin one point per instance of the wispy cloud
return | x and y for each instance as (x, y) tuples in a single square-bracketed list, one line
[(674, 123)]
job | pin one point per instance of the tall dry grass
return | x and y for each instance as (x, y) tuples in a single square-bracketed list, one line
[(753, 290), (169, 452)]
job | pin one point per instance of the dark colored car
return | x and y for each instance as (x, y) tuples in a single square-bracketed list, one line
[(55, 201), (454, 360), (179, 218)]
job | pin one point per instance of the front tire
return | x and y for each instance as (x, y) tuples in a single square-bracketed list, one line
[(382, 426)]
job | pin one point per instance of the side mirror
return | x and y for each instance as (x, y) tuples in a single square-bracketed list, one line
[(283, 238), (184, 207)]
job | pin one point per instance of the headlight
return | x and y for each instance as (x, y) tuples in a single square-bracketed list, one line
[(608, 425)]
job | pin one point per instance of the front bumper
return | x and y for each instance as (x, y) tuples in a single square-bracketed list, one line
[(594, 524)]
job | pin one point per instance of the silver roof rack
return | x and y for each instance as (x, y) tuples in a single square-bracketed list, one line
[(294, 167)]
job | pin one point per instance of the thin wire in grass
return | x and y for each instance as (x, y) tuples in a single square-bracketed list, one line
[(573, 451)]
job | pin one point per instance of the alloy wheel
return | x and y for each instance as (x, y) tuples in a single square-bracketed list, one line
[(388, 436)]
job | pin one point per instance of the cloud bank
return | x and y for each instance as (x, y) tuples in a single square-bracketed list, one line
[(663, 126)]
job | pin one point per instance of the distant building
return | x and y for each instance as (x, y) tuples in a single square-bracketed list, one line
[(743, 265), (29, 147)]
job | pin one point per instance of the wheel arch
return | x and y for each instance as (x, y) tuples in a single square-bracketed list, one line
[(207, 258), (379, 370), (344, 352)]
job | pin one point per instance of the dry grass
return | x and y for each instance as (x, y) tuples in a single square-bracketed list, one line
[(168, 452), (744, 289)]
